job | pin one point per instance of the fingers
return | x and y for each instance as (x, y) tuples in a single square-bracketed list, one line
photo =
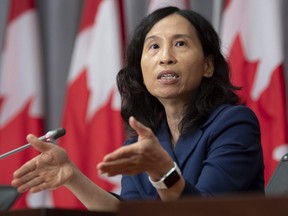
[(32, 165), (26, 177), (120, 161), (38, 144), (134, 158), (123, 152), (45, 171), (141, 129), (126, 166), (27, 182), (39, 187), (31, 182), (24, 169)]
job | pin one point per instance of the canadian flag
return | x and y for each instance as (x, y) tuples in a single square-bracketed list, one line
[(92, 111), (155, 4), (21, 110), (252, 42)]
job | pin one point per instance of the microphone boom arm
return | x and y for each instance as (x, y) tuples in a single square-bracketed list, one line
[(50, 136)]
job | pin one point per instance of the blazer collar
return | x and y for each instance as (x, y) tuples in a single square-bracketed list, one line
[(186, 144)]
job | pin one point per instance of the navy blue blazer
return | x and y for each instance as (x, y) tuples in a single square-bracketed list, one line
[(223, 156)]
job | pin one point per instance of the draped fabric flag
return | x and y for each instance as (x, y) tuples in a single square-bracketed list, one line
[(92, 111), (155, 4), (21, 110), (252, 42)]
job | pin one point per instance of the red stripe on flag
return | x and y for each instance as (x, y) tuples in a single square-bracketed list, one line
[(76, 139), (90, 7), (91, 114), (20, 90), (12, 136), (226, 4), (258, 68), (272, 122), (238, 64), (17, 7), (271, 110)]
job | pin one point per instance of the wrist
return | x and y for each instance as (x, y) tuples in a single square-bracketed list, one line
[(168, 179), (72, 175)]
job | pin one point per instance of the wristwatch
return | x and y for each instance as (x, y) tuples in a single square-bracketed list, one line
[(169, 179)]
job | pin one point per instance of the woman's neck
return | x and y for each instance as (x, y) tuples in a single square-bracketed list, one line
[(173, 120), (174, 110)]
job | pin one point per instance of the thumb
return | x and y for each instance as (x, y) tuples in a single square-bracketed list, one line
[(38, 144), (142, 130)]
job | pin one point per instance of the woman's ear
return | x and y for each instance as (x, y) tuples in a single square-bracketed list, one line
[(209, 66)]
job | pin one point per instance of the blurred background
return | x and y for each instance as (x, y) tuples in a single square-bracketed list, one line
[(59, 23), (59, 59)]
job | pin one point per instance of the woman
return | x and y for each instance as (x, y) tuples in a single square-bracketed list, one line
[(191, 136)]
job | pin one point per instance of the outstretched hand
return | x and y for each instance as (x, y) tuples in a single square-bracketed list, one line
[(145, 155), (49, 170)]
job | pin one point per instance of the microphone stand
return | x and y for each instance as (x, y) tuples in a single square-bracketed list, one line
[(50, 136)]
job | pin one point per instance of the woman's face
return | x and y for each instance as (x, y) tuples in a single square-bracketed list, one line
[(173, 63)]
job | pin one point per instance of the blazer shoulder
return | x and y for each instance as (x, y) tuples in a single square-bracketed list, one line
[(226, 112)]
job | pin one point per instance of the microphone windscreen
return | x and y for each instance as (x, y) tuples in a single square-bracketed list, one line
[(60, 132)]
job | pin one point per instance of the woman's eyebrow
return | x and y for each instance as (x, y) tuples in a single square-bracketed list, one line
[(150, 37), (182, 36), (176, 36)]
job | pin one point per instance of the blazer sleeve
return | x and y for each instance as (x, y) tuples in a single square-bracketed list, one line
[(234, 160)]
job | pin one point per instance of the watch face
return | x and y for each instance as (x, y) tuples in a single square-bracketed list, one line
[(171, 179)]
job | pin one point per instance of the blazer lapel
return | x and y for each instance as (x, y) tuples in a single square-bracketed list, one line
[(183, 147), (186, 145)]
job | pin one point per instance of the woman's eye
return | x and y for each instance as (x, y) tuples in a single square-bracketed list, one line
[(154, 46), (180, 43)]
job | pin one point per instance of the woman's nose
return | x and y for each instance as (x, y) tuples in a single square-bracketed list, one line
[(167, 57)]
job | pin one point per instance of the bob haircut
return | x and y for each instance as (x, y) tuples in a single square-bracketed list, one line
[(214, 91)]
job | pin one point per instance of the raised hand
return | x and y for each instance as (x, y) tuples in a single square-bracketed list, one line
[(146, 155), (49, 170)]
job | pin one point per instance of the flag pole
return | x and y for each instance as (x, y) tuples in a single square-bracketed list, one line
[(216, 14)]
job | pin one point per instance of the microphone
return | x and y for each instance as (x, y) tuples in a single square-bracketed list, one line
[(50, 136)]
